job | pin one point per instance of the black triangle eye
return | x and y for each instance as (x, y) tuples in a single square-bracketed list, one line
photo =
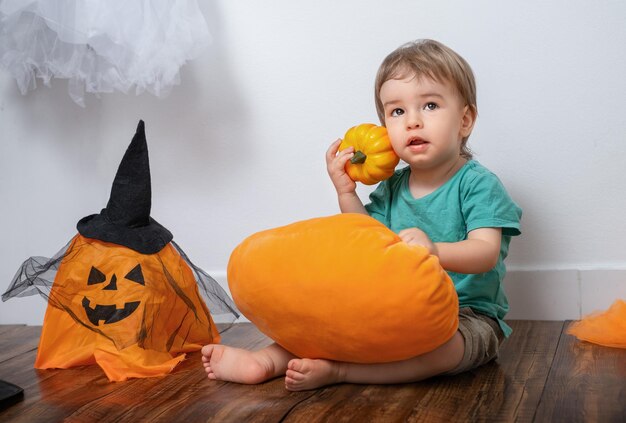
[(95, 276), (136, 275)]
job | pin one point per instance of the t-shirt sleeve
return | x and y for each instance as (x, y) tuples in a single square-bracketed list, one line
[(487, 204), (380, 200)]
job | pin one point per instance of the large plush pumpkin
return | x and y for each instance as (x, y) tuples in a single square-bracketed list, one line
[(343, 288)]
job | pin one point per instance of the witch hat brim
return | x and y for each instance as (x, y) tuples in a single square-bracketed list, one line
[(126, 219)]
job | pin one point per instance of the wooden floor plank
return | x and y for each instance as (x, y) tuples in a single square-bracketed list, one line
[(6, 328), (587, 383), (187, 395), (55, 394), (84, 393), (229, 402), (506, 390), (18, 339), (19, 370), (526, 359), (578, 381), (371, 403)]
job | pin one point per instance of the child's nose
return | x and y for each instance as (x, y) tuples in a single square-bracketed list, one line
[(414, 120)]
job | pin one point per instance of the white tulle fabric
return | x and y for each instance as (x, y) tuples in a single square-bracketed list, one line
[(100, 46)]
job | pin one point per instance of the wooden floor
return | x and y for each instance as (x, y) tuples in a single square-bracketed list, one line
[(542, 375)]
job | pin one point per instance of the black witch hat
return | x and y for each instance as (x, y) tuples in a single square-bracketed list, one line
[(126, 219)]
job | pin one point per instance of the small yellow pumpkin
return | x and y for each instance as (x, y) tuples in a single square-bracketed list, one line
[(374, 159)]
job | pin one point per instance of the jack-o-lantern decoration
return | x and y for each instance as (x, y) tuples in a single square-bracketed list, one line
[(124, 295)]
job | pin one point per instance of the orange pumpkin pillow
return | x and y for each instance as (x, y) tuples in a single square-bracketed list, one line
[(343, 288)]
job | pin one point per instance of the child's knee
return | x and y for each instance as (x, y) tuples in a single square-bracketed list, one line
[(452, 352)]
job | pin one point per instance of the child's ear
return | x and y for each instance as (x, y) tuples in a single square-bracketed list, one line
[(468, 120)]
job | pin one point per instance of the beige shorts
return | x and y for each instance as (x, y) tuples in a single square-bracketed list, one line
[(482, 335)]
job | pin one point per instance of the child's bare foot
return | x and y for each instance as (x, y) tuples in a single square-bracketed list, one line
[(303, 374), (237, 365)]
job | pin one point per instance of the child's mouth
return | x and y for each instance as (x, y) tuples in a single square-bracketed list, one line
[(417, 142), (417, 145)]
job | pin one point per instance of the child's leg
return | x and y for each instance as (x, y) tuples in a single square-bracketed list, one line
[(303, 374), (242, 366)]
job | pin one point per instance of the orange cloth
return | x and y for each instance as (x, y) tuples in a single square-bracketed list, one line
[(343, 288), (77, 346), (606, 328), (86, 322)]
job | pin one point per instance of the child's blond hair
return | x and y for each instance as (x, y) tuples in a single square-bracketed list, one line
[(429, 58)]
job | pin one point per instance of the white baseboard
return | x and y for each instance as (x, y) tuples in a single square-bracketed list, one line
[(533, 295), (562, 294), (549, 294)]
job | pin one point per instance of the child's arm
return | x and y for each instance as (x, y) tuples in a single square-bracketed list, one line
[(349, 201), (477, 254)]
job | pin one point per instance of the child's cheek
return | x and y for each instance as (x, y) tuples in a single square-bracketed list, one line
[(396, 142)]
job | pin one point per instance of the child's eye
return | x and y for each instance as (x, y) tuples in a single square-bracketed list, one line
[(431, 106), (397, 112)]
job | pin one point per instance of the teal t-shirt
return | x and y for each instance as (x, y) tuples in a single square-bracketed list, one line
[(473, 198)]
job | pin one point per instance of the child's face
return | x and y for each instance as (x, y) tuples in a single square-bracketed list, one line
[(426, 121)]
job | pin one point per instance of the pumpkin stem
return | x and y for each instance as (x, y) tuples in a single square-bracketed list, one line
[(358, 158)]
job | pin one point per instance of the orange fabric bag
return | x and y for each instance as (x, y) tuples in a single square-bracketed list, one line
[(343, 288), (130, 313), (122, 294), (606, 328)]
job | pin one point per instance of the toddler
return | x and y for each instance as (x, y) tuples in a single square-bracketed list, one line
[(443, 200)]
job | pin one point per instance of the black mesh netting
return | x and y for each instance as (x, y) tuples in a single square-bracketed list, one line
[(37, 276)]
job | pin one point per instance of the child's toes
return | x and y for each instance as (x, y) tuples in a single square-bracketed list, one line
[(292, 384), (295, 365), (207, 350), (294, 375)]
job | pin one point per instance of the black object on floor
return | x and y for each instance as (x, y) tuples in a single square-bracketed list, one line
[(9, 394)]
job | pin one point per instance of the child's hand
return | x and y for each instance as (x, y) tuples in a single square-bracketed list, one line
[(415, 236), (336, 166)]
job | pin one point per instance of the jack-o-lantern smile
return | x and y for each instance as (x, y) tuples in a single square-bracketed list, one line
[(109, 313)]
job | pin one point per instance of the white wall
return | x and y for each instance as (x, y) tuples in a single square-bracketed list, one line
[(239, 145)]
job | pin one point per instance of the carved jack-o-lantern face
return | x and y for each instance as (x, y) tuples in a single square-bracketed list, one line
[(130, 298), (109, 313)]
